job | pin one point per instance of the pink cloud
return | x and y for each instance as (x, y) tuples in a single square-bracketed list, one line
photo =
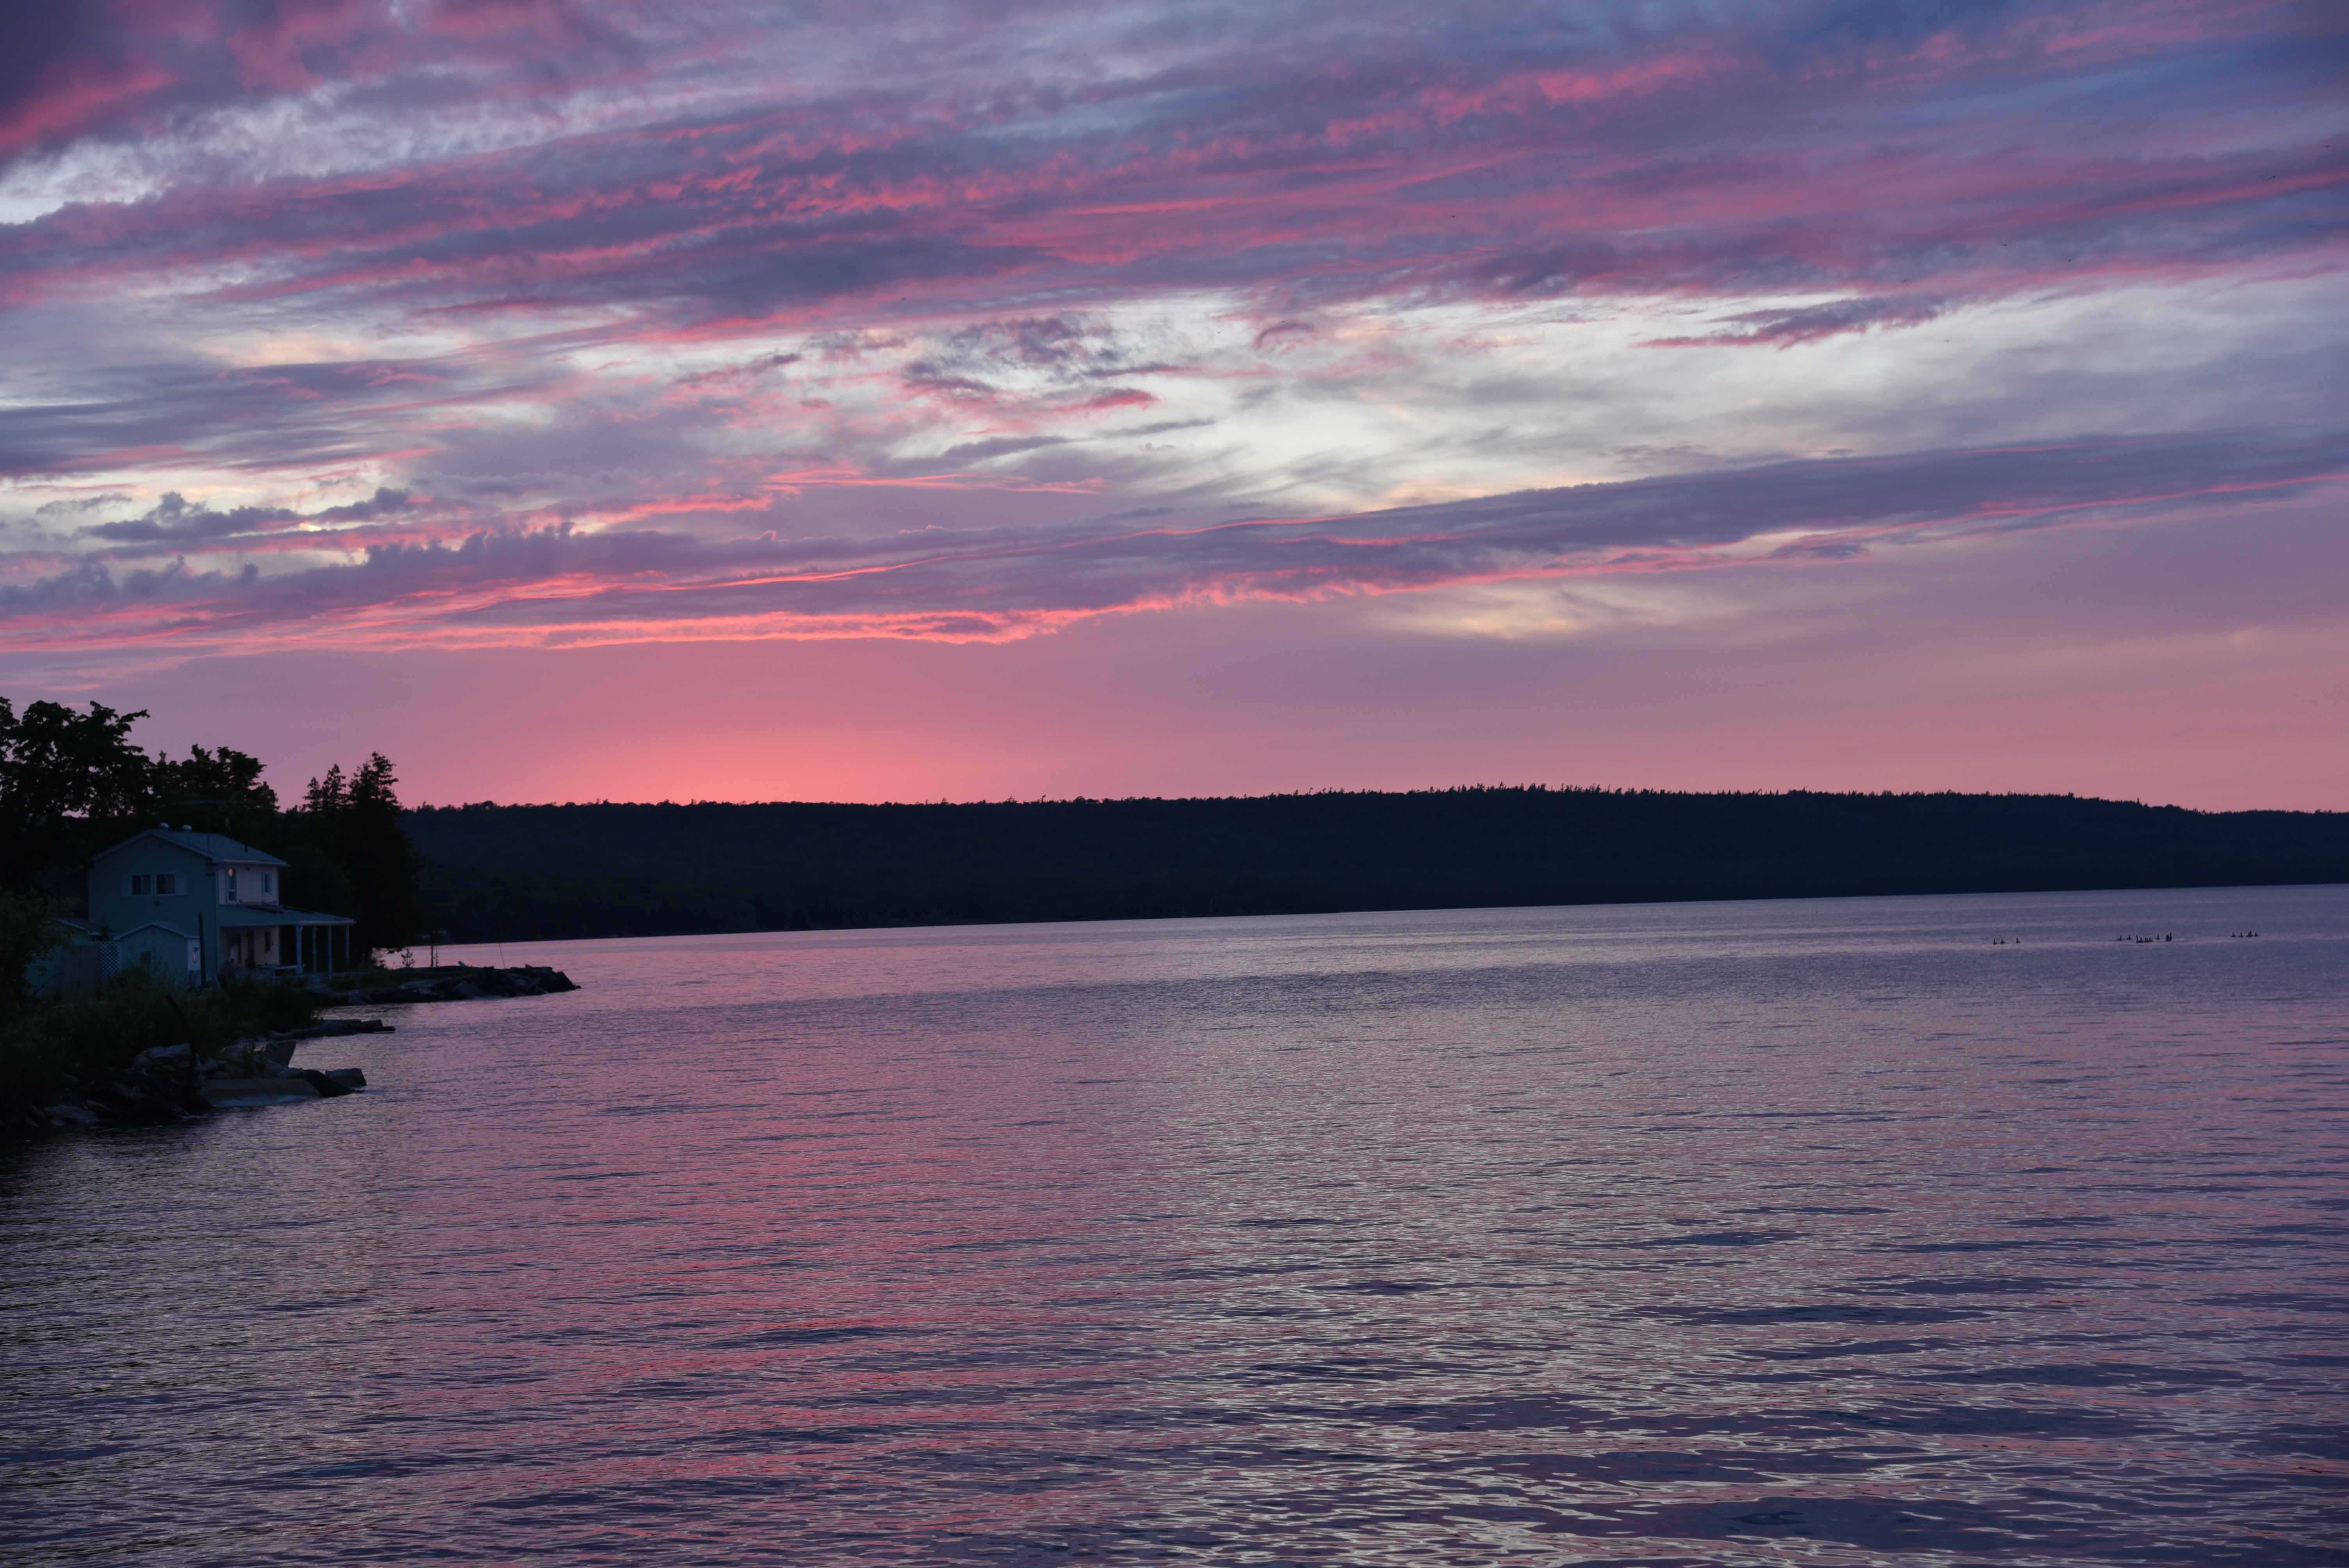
[(530, 586), (1354, 178), (584, 208)]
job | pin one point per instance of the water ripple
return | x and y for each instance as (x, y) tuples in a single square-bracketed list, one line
[(1800, 1233)]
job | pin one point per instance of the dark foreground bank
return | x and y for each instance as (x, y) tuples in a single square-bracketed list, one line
[(144, 1054), (165, 1084), (516, 872)]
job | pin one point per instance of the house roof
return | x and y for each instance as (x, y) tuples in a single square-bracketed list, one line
[(154, 925), (276, 915), (217, 848)]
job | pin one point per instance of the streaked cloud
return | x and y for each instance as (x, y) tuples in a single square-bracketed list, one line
[(462, 321), (1808, 324), (560, 584)]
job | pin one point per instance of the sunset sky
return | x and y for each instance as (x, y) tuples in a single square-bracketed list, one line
[(889, 401)]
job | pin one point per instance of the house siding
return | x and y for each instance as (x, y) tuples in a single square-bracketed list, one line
[(253, 929), (113, 907)]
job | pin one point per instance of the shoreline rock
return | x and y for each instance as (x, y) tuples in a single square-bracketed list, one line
[(279, 1047), (451, 983), (170, 1083), (307, 1083)]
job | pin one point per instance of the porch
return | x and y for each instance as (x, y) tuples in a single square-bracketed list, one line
[(286, 942)]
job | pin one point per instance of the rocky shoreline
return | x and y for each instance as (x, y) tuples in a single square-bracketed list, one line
[(174, 1083), (453, 983)]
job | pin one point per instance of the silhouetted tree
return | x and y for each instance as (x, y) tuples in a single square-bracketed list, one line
[(72, 782), (509, 873), (62, 775), (218, 791), (315, 880), (356, 821), (24, 933)]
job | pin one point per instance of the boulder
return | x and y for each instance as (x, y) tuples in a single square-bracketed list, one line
[(334, 1026), (155, 1086), (326, 1085), (222, 1093), (240, 1062)]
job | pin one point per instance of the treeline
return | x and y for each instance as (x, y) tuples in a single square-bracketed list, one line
[(517, 872), (73, 782)]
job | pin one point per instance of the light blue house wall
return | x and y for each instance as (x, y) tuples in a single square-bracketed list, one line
[(81, 964), (224, 896), (172, 956)]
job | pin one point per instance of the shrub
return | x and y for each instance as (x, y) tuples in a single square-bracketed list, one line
[(45, 1045)]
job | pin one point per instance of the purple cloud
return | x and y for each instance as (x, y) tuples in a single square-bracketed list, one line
[(561, 584), (605, 305), (174, 521), (1808, 324), (104, 68), (1534, 158)]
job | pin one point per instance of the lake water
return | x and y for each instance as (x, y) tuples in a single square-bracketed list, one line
[(1799, 1232)]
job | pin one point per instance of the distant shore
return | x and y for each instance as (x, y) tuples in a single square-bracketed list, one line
[(510, 874)]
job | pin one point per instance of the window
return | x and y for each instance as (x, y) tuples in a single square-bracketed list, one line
[(228, 885), (141, 886), (269, 884), (167, 883)]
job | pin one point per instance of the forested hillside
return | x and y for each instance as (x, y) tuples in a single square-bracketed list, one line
[(515, 872)]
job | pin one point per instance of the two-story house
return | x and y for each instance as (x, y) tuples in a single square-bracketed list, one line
[(219, 902)]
